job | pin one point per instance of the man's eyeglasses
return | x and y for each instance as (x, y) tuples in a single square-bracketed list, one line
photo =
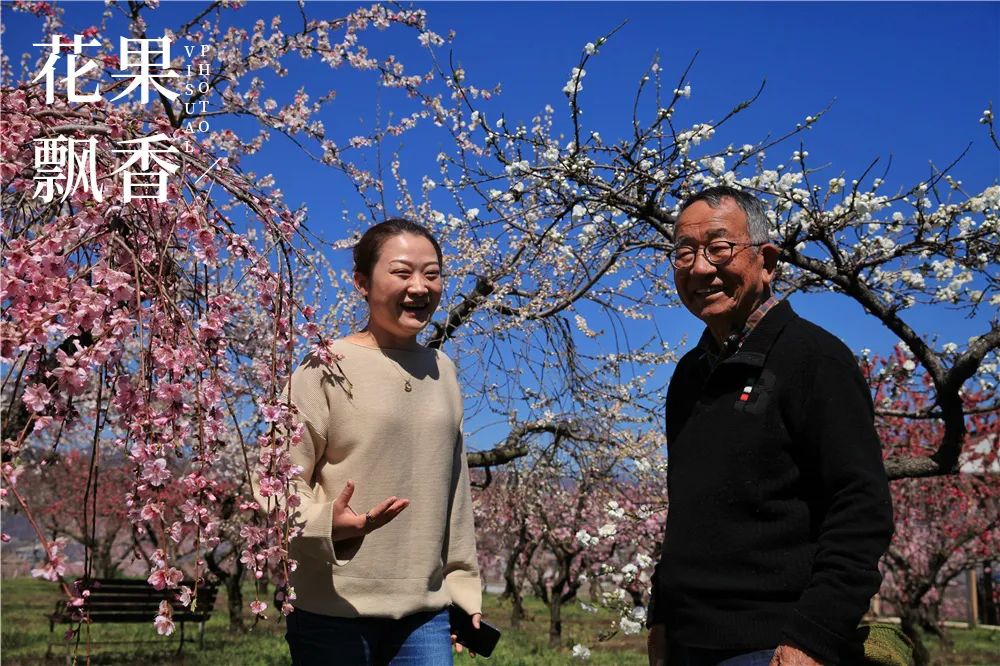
[(717, 253)]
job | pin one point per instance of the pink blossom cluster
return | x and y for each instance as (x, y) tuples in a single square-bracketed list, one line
[(160, 333), (108, 319), (164, 622), (55, 562)]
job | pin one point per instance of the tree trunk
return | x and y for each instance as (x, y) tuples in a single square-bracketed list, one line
[(555, 621), (234, 593), (910, 626), (512, 588), (929, 619), (988, 608), (104, 562), (512, 591), (636, 593), (517, 613)]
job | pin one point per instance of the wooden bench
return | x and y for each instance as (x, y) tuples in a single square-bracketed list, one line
[(118, 601)]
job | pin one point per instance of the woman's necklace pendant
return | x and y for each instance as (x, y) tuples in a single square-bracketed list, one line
[(406, 385)]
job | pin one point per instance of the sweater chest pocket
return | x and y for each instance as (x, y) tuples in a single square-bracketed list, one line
[(756, 392), (735, 419), (736, 392)]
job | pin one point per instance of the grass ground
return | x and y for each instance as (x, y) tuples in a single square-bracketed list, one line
[(25, 633), (969, 647)]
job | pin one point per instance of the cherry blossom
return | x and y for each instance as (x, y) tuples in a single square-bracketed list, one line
[(164, 619), (112, 324), (55, 562)]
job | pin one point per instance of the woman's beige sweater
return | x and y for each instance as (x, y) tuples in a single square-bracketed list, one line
[(361, 424)]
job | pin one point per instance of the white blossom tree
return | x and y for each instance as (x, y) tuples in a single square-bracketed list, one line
[(559, 229)]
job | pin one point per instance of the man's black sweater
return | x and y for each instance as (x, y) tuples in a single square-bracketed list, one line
[(779, 504)]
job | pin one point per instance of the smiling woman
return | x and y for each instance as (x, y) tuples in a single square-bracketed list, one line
[(397, 269), (373, 587)]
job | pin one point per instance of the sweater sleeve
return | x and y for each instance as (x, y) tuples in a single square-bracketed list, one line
[(461, 569), (855, 528), (676, 413)]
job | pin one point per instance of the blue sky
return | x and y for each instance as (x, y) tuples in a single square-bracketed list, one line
[(907, 81)]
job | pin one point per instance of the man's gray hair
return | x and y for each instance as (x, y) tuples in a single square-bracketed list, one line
[(757, 223)]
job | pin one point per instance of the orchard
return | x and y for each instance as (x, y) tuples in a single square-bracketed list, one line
[(145, 343)]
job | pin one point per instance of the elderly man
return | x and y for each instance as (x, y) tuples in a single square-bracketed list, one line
[(779, 504)]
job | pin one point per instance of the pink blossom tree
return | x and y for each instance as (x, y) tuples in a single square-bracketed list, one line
[(102, 528), (944, 525), (583, 516), (168, 325)]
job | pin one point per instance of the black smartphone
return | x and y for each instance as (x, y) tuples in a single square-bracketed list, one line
[(481, 641)]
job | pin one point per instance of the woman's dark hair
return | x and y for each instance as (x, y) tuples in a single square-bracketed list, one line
[(367, 250)]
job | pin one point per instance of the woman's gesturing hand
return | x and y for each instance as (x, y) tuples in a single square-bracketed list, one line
[(347, 524)]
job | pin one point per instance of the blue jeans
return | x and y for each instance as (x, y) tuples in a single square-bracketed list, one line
[(681, 655), (422, 639)]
